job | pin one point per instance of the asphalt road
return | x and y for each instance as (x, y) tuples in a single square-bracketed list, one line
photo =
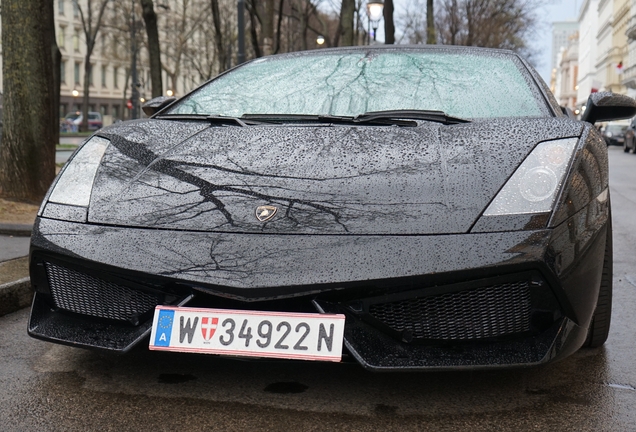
[(51, 387)]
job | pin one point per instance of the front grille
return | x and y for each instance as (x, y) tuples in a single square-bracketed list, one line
[(78, 292), (480, 313)]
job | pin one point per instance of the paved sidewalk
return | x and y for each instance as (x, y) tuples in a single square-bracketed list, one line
[(15, 286), (12, 247)]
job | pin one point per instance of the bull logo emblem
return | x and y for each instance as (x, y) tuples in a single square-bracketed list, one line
[(265, 213)]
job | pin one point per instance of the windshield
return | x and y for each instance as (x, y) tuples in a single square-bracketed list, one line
[(481, 85)]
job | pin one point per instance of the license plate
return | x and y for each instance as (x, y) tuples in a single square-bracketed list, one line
[(248, 333)]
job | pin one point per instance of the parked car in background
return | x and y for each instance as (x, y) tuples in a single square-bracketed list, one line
[(614, 132), (74, 120), (630, 137)]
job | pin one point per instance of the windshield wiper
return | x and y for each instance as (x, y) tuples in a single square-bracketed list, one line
[(327, 119), (216, 119), (432, 116), (382, 118)]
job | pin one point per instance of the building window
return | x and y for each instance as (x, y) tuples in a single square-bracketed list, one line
[(103, 109), (115, 75), (75, 9), (103, 76), (77, 73), (91, 108), (63, 71), (62, 110), (60, 7), (76, 40), (115, 112), (61, 38)]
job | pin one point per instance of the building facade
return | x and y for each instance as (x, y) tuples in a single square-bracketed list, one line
[(588, 27), (629, 75), (568, 70), (611, 58), (561, 33)]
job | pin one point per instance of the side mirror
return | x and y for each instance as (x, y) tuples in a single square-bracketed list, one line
[(605, 106), (155, 105)]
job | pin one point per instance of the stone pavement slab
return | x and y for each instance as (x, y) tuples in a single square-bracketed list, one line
[(15, 286), (12, 247)]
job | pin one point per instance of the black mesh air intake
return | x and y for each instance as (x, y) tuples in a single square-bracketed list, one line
[(480, 313), (87, 295)]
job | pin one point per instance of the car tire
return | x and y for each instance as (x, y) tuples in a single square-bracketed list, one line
[(600, 325), (625, 147)]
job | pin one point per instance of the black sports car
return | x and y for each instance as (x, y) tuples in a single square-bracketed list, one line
[(407, 207)]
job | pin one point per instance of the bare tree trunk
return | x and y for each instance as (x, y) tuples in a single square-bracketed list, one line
[(88, 73), (253, 32), (218, 36), (57, 79), (27, 149), (154, 49), (124, 101), (267, 26), (389, 24), (430, 23), (281, 4), (346, 22), (302, 20), (91, 30)]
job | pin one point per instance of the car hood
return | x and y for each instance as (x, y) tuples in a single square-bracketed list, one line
[(323, 179)]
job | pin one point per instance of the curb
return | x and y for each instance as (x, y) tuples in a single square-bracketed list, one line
[(18, 230), (15, 295)]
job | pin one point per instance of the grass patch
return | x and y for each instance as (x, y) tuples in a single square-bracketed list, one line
[(76, 134), (65, 147)]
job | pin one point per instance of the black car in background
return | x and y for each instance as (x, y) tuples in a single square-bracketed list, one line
[(409, 207), (614, 133), (630, 137)]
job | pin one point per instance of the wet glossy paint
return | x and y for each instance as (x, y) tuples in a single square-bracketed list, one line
[(360, 211)]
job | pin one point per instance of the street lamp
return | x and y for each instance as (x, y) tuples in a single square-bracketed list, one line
[(320, 40), (375, 11)]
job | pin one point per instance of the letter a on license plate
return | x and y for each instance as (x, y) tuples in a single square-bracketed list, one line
[(248, 333)]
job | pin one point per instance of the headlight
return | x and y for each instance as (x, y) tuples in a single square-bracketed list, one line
[(534, 186), (76, 181), (608, 134)]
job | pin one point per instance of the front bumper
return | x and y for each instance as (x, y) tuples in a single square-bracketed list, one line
[(360, 276)]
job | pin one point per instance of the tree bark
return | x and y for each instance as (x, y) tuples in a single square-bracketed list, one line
[(154, 49), (281, 4), (124, 99), (389, 24), (88, 73), (430, 23), (27, 149), (218, 36), (57, 79), (253, 31), (346, 22), (267, 27)]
